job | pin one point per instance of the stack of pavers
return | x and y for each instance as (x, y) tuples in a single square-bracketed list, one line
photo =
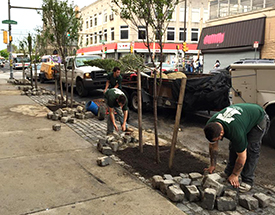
[(69, 115), (211, 191), (111, 144)]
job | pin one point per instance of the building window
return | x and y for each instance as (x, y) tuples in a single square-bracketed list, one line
[(173, 15), (170, 34), (141, 33), (95, 19), (91, 39), (195, 15), (105, 35), (87, 24), (194, 34), (87, 40), (124, 32), (105, 16), (158, 35), (95, 42), (99, 21), (205, 15), (182, 14), (181, 34), (112, 34), (100, 36), (91, 21)]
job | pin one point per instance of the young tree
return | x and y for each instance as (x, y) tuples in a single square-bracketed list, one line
[(61, 25), (154, 17), (23, 49)]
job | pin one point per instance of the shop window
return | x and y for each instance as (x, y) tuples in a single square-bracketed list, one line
[(170, 34), (124, 32), (194, 34)]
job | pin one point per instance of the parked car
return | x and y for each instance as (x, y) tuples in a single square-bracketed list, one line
[(28, 71), (85, 77), (2, 62)]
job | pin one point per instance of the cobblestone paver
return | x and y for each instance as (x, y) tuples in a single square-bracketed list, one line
[(92, 129)]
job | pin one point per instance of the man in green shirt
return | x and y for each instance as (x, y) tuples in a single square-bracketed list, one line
[(117, 102), (113, 79), (244, 125)]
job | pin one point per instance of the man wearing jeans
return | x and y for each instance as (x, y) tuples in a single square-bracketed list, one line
[(117, 102), (244, 125)]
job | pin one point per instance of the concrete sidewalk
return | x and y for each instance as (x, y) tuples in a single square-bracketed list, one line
[(48, 172)]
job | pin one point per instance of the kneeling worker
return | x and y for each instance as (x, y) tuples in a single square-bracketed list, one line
[(117, 101), (244, 125)]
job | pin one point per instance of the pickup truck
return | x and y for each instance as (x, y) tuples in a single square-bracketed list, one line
[(203, 91), (85, 77), (254, 83)]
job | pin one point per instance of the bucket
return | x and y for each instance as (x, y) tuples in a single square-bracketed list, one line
[(91, 106)]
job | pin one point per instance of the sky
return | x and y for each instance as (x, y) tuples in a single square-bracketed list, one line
[(27, 20)]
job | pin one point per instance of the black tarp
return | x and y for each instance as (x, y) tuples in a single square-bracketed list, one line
[(205, 92)]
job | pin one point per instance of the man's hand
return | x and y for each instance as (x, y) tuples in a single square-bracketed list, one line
[(123, 127), (234, 180), (210, 169), (116, 127)]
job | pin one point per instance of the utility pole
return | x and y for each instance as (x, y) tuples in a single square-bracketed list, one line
[(10, 43), (184, 33)]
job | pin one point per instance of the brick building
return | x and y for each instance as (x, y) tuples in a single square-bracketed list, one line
[(104, 30)]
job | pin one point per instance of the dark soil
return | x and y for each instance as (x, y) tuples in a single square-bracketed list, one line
[(145, 163)]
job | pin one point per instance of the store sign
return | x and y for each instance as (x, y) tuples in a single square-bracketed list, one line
[(213, 39), (123, 46)]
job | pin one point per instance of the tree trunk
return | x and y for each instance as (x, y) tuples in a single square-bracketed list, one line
[(177, 122), (60, 80), (67, 91), (156, 117), (72, 87), (35, 72), (139, 113)]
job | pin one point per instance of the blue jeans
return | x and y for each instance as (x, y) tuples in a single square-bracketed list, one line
[(254, 138), (118, 116)]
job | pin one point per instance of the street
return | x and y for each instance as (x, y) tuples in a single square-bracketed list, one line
[(190, 134)]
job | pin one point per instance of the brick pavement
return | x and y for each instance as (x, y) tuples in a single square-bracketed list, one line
[(92, 129)]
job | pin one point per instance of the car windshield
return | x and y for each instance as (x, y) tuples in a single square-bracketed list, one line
[(81, 60)]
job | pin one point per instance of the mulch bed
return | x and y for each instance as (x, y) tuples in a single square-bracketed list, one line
[(145, 163)]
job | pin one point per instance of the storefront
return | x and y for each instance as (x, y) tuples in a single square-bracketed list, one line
[(118, 50), (231, 42)]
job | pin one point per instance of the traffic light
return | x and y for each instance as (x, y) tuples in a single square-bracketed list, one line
[(177, 47), (10, 38), (5, 37), (131, 49), (184, 47), (105, 49)]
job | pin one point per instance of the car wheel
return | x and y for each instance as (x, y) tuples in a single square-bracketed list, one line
[(81, 89), (134, 101), (41, 78)]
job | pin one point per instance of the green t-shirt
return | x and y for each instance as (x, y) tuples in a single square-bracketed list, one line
[(237, 121), (114, 81), (111, 95)]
